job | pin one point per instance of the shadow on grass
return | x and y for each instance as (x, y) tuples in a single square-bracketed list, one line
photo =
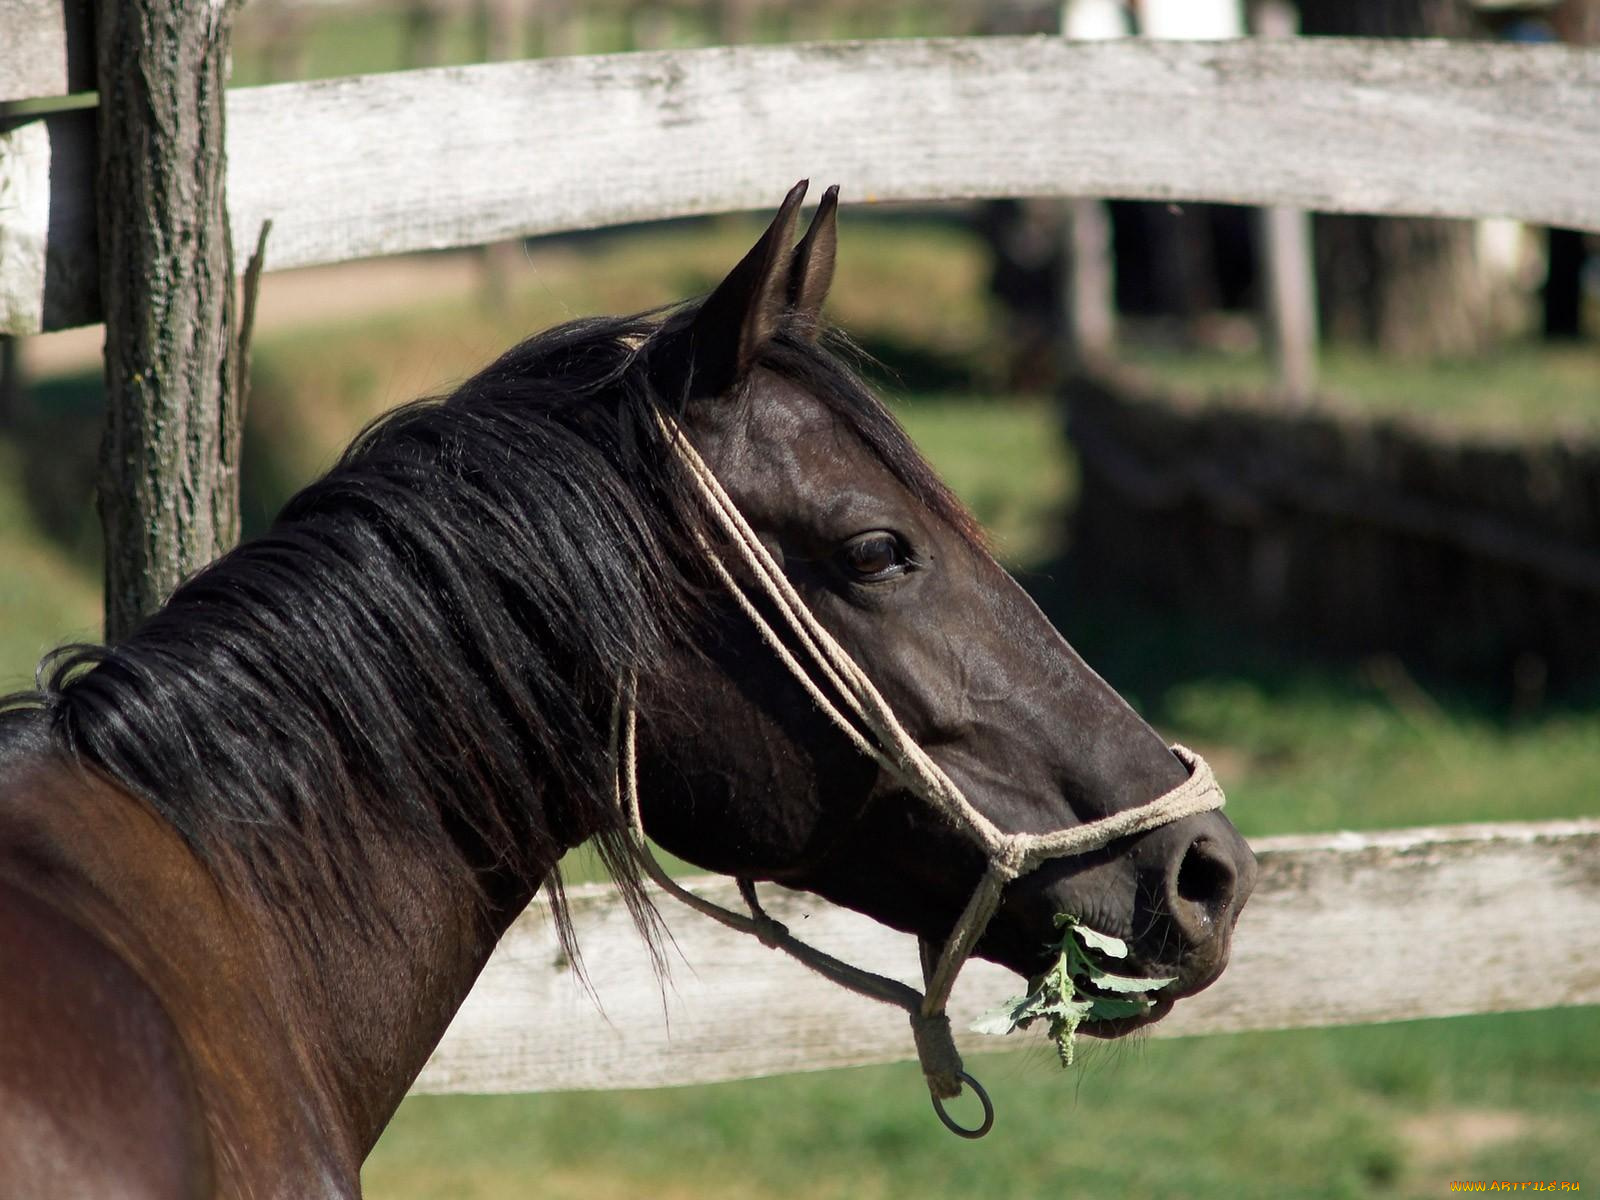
[(903, 367), (58, 433), (1149, 650)]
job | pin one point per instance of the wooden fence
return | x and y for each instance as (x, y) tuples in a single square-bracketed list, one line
[(1346, 928), (1343, 929), (419, 160)]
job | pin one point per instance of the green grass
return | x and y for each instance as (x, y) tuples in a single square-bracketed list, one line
[(983, 447), (1351, 1113), (1518, 391), (322, 43), (1301, 744), (1305, 745), (47, 595)]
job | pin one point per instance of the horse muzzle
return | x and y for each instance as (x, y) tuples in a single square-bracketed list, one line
[(1193, 878)]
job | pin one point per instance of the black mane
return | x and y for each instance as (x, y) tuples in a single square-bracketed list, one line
[(426, 643)]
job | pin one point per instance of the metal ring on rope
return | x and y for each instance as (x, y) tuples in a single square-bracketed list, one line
[(977, 1131)]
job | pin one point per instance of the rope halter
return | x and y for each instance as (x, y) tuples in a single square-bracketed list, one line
[(862, 714)]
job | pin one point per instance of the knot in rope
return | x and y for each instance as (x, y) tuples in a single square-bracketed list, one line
[(936, 1051), (1010, 858)]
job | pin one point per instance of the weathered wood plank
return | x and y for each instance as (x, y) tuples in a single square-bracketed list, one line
[(46, 48), (426, 159), (1343, 929), (49, 270)]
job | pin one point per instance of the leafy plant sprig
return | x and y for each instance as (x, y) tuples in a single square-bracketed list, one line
[(1058, 996)]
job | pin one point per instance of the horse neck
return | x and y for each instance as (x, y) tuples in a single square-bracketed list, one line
[(301, 1028), (370, 994), (357, 723), (366, 968)]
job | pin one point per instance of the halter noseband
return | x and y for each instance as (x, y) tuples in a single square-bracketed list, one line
[(1009, 854)]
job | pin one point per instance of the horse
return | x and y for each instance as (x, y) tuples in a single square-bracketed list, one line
[(253, 856)]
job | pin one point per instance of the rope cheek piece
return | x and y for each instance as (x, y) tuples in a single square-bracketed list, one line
[(877, 733)]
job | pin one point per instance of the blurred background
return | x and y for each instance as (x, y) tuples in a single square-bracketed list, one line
[(1319, 494)]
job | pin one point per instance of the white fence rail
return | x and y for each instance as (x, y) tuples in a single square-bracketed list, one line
[(46, 48), (1343, 929), (420, 160)]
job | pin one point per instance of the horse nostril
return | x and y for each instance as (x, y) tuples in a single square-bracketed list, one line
[(1206, 881)]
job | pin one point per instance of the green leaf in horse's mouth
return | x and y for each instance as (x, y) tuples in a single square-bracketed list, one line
[(1075, 989)]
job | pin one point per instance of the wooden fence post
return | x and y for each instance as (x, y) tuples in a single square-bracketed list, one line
[(1288, 273), (1088, 301), (500, 29), (168, 490)]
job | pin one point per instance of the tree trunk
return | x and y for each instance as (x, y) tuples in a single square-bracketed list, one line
[(1026, 245), (1408, 286), (424, 34), (169, 494), (1577, 21)]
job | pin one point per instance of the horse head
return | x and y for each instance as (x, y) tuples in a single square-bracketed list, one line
[(290, 815), (749, 776)]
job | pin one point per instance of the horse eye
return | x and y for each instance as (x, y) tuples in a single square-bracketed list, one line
[(873, 556)]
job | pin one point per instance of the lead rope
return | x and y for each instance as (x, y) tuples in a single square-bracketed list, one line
[(1009, 854)]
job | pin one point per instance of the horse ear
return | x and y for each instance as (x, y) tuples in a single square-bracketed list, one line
[(737, 319), (811, 268)]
